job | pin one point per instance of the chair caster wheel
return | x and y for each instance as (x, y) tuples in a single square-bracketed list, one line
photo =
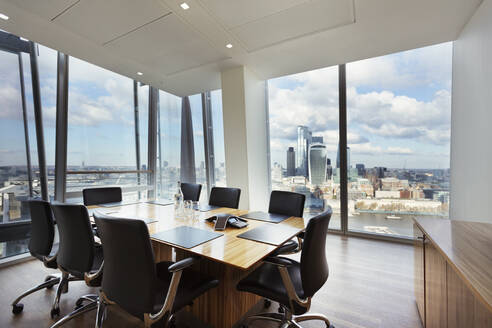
[(17, 308), (47, 279), (267, 303), (55, 313)]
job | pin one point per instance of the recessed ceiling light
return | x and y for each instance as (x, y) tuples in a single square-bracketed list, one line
[(229, 45), (4, 17), (185, 6), (139, 73)]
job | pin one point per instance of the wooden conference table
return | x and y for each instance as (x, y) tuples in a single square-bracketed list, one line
[(227, 258)]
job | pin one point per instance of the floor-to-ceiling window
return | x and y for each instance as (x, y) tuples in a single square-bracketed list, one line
[(398, 132), (304, 138), (101, 146), (19, 169), (399, 114)]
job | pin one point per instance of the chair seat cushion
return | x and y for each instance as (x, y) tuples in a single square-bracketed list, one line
[(267, 282), (49, 264), (191, 285)]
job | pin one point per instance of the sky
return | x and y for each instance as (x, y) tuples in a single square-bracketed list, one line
[(398, 109), (101, 116)]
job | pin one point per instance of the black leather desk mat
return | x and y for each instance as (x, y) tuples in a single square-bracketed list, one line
[(163, 202), (114, 213), (119, 203), (206, 208), (270, 234), (263, 216), (186, 237)]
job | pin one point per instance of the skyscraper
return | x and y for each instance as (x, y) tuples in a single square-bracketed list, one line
[(304, 137), (361, 169), (317, 164), (338, 157), (187, 171), (291, 162)]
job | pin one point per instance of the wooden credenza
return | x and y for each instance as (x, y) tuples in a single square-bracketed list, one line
[(453, 273)]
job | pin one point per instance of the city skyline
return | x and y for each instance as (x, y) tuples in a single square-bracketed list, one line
[(398, 111)]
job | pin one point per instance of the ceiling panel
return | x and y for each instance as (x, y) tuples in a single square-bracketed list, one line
[(103, 21), (168, 45), (45, 9), (305, 19), (232, 13)]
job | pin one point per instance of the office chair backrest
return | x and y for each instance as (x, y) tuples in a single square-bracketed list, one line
[(287, 203), (191, 191), (314, 268), (42, 228), (225, 197), (129, 267), (76, 248), (96, 196)]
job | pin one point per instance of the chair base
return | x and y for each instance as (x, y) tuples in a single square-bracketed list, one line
[(80, 308), (286, 319), (50, 281)]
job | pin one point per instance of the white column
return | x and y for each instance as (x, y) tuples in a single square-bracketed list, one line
[(471, 154), (245, 136)]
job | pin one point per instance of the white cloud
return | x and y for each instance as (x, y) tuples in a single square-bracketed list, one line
[(387, 115), (390, 103)]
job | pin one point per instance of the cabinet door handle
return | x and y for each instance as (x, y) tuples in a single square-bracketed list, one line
[(420, 238)]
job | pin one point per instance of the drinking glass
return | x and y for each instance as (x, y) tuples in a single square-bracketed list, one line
[(188, 210), (195, 207)]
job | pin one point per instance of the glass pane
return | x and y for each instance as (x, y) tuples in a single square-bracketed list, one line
[(47, 61), (169, 145), (304, 138), (399, 112), (218, 131), (14, 182), (101, 128), (200, 169)]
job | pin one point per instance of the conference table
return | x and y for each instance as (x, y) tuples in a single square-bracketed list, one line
[(227, 258)]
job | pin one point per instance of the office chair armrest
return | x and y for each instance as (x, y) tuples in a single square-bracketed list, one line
[(176, 269), (291, 290), (278, 261), (48, 259), (94, 278), (183, 264)]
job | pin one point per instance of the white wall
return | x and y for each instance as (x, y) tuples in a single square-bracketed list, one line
[(471, 120), (245, 136)]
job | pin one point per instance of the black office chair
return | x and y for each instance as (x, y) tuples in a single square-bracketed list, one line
[(79, 257), (225, 197), (148, 290), (41, 246), (191, 191), (290, 283), (292, 204), (96, 196)]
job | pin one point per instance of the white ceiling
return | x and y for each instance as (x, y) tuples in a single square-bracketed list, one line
[(183, 51)]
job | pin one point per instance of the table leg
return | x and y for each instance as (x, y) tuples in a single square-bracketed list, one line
[(222, 306), (162, 252)]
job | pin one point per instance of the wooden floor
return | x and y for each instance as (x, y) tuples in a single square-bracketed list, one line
[(370, 285)]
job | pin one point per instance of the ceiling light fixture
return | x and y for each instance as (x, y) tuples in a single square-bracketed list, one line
[(229, 46), (139, 73), (185, 6), (4, 17)]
